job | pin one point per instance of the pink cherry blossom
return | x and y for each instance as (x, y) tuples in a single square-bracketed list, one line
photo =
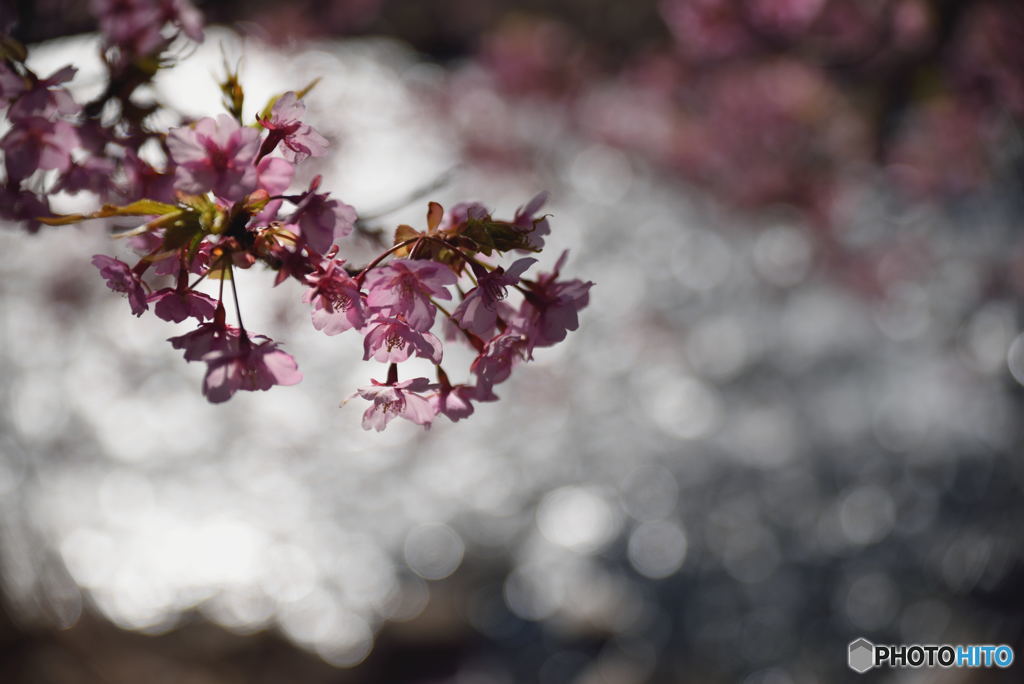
[(121, 278), (394, 340), (535, 228), (495, 364), (22, 205), (478, 312), (462, 212), (11, 84), (142, 180), (453, 402), (401, 399), (336, 299), (38, 143), (300, 140), (551, 307), (273, 175), (135, 25), (174, 305), (215, 154), (44, 99), (209, 339), (132, 25), (94, 174), (405, 287), (247, 366), (185, 16), (322, 221)]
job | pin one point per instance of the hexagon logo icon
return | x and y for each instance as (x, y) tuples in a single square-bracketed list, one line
[(861, 655)]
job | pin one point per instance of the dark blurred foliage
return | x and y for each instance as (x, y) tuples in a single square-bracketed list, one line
[(443, 29), (762, 102)]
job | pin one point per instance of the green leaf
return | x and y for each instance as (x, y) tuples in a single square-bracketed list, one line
[(490, 235), (231, 88), (404, 232), (159, 222), (12, 49), (309, 86), (181, 234), (143, 207)]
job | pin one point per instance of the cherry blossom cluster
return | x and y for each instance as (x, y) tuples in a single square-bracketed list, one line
[(41, 138), (57, 145), (403, 298), (233, 211), (221, 199)]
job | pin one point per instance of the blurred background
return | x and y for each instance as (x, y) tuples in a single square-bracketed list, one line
[(791, 416)]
